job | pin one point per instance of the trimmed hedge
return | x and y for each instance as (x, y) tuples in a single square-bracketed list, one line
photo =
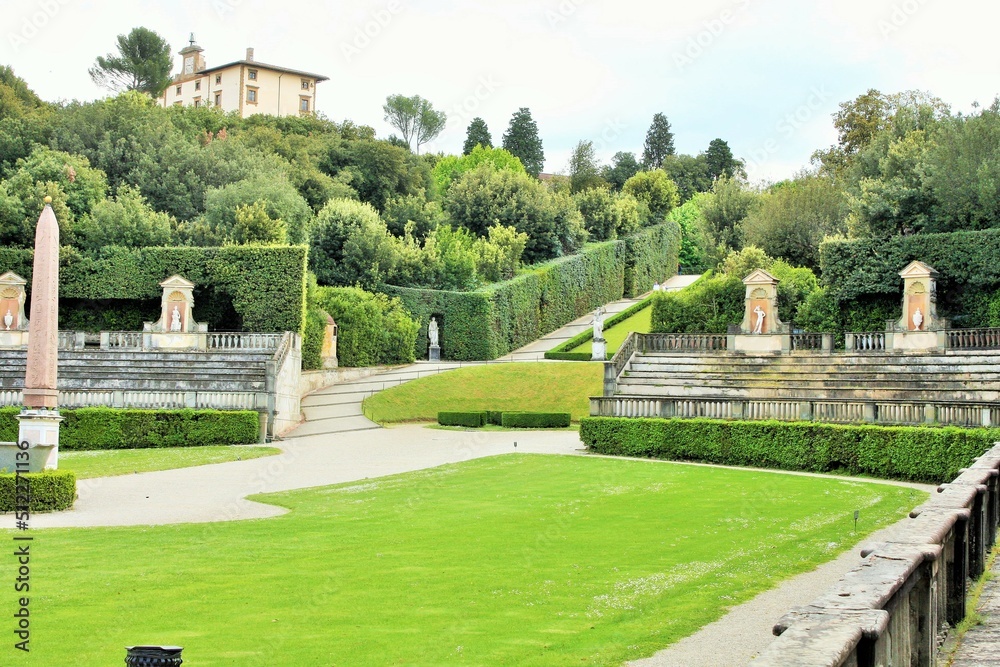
[(48, 491), (470, 419), (562, 352), (923, 454), (115, 428), (372, 328), (535, 419), (869, 268), (248, 288), (492, 321)]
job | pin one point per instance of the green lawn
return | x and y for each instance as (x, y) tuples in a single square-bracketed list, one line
[(524, 560), (617, 334), (107, 463), (536, 387)]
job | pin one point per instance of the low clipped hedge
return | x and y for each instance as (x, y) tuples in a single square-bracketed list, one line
[(562, 352), (535, 419), (470, 419), (48, 491), (923, 454), (115, 428)]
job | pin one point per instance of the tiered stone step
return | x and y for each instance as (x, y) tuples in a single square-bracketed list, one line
[(954, 376)]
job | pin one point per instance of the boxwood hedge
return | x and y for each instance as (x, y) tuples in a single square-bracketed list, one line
[(47, 491), (924, 454), (535, 419), (470, 419)]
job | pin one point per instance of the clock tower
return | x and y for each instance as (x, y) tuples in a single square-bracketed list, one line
[(193, 61)]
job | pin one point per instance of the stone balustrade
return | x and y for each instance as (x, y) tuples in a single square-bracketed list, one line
[(823, 410), (898, 604), (215, 400)]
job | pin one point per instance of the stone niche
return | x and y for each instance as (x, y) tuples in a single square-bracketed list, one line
[(761, 329), (13, 323), (176, 328), (919, 327)]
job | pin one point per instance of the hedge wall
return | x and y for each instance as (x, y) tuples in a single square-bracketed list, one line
[(48, 491), (249, 288), (869, 269), (922, 454), (112, 428), (492, 321)]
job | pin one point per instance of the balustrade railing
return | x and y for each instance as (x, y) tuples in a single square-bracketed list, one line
[(683, 342), (121, 340), (235, 340), (217, 400), (868, 341), (973, 339), (807, 341)]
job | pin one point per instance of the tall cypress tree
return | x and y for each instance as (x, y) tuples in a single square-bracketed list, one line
[(477, 135), (719, 160), (521, 139), (659, 143)]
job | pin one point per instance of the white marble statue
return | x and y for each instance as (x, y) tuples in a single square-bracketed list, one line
[(918, 319), (8, 319), (175, 319), (599, 324), (759, 327), (656, 287), (432, 332)]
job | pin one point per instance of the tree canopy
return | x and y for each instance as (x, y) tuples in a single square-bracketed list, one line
[(477, 134), (143, 63), (521, 140), (415, 118), (659, 142)]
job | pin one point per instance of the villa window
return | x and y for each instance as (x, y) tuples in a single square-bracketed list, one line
[(305, 84), (218, 79), (252, 95), (197, 85), (178, 91), (304, 104), (252, 74)]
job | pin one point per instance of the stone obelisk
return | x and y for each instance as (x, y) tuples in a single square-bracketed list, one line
[(39, 420)]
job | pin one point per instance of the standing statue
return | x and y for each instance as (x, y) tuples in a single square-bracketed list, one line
[(432, 332), (759, 327), (175, 320), (918, 319), (599, 324), (8, 319)]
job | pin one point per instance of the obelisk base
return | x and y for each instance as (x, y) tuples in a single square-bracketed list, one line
[(40, 429)]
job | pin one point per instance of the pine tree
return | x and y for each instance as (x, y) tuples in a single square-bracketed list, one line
[(521, 139), (477, 135), (659, 143), (720, 161)]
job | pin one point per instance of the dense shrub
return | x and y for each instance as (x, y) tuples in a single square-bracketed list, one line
[(114, 428), (48, 491), (708, 306), (655, 190), (373, 329), (265, 284), (893, 452), (535, 419), (469, 419)]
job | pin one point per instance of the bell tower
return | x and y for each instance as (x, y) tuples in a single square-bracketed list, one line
[(194, 61)]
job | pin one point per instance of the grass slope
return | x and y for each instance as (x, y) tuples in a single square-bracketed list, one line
[(536, 387), (513, 560), (128, 461), (617, 334)]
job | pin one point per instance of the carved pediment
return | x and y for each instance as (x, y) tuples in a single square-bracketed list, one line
[(760, 277), (917, 269)]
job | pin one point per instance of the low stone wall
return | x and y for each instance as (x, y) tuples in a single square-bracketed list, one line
[(311, 381), (897, 606)]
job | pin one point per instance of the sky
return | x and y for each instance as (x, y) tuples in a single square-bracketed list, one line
[(764, 75)]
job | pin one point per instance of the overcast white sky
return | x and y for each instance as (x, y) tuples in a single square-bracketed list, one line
[(765, 75)]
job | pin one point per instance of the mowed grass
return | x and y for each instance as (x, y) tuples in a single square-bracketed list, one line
[(534, 387), (616, 335), (524, 560), (108, 463)]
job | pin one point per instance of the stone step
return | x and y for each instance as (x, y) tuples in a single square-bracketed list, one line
[(908, 379), (333, 426), (792, 392), (319, 412)]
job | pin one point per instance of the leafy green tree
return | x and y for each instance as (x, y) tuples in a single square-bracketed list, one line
[(741, 263), (451, 167), (689, 173), (728, 204), (697, 254), (719, 161), (584, 172), (478, 134), (655, 190), (378, 170), (623, 167), (84, 186), (521, 140), (143, 63), (333, 226), (370, 253), (600, 215), (280, 198), (255, 225), (127, 220), (413, 214), (415, 118), (499, 254), (659, 142), (16, 98)]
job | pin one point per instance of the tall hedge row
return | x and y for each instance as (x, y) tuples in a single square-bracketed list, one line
[(372, 329), (869, 269), (255, 288), (922, 454), (492, 321)]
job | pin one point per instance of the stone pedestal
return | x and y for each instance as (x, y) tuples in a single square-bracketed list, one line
[(759, 343), (176, 328), (40, 429), (599, 346), (434, 353), (919, 329)]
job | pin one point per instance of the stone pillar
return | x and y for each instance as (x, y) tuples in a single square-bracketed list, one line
[(39, 420)]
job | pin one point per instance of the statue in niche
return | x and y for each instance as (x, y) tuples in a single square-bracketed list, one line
[(175, 319), (432, 332), (918, 319), (759, 327), (599, 324), (8, 319)]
